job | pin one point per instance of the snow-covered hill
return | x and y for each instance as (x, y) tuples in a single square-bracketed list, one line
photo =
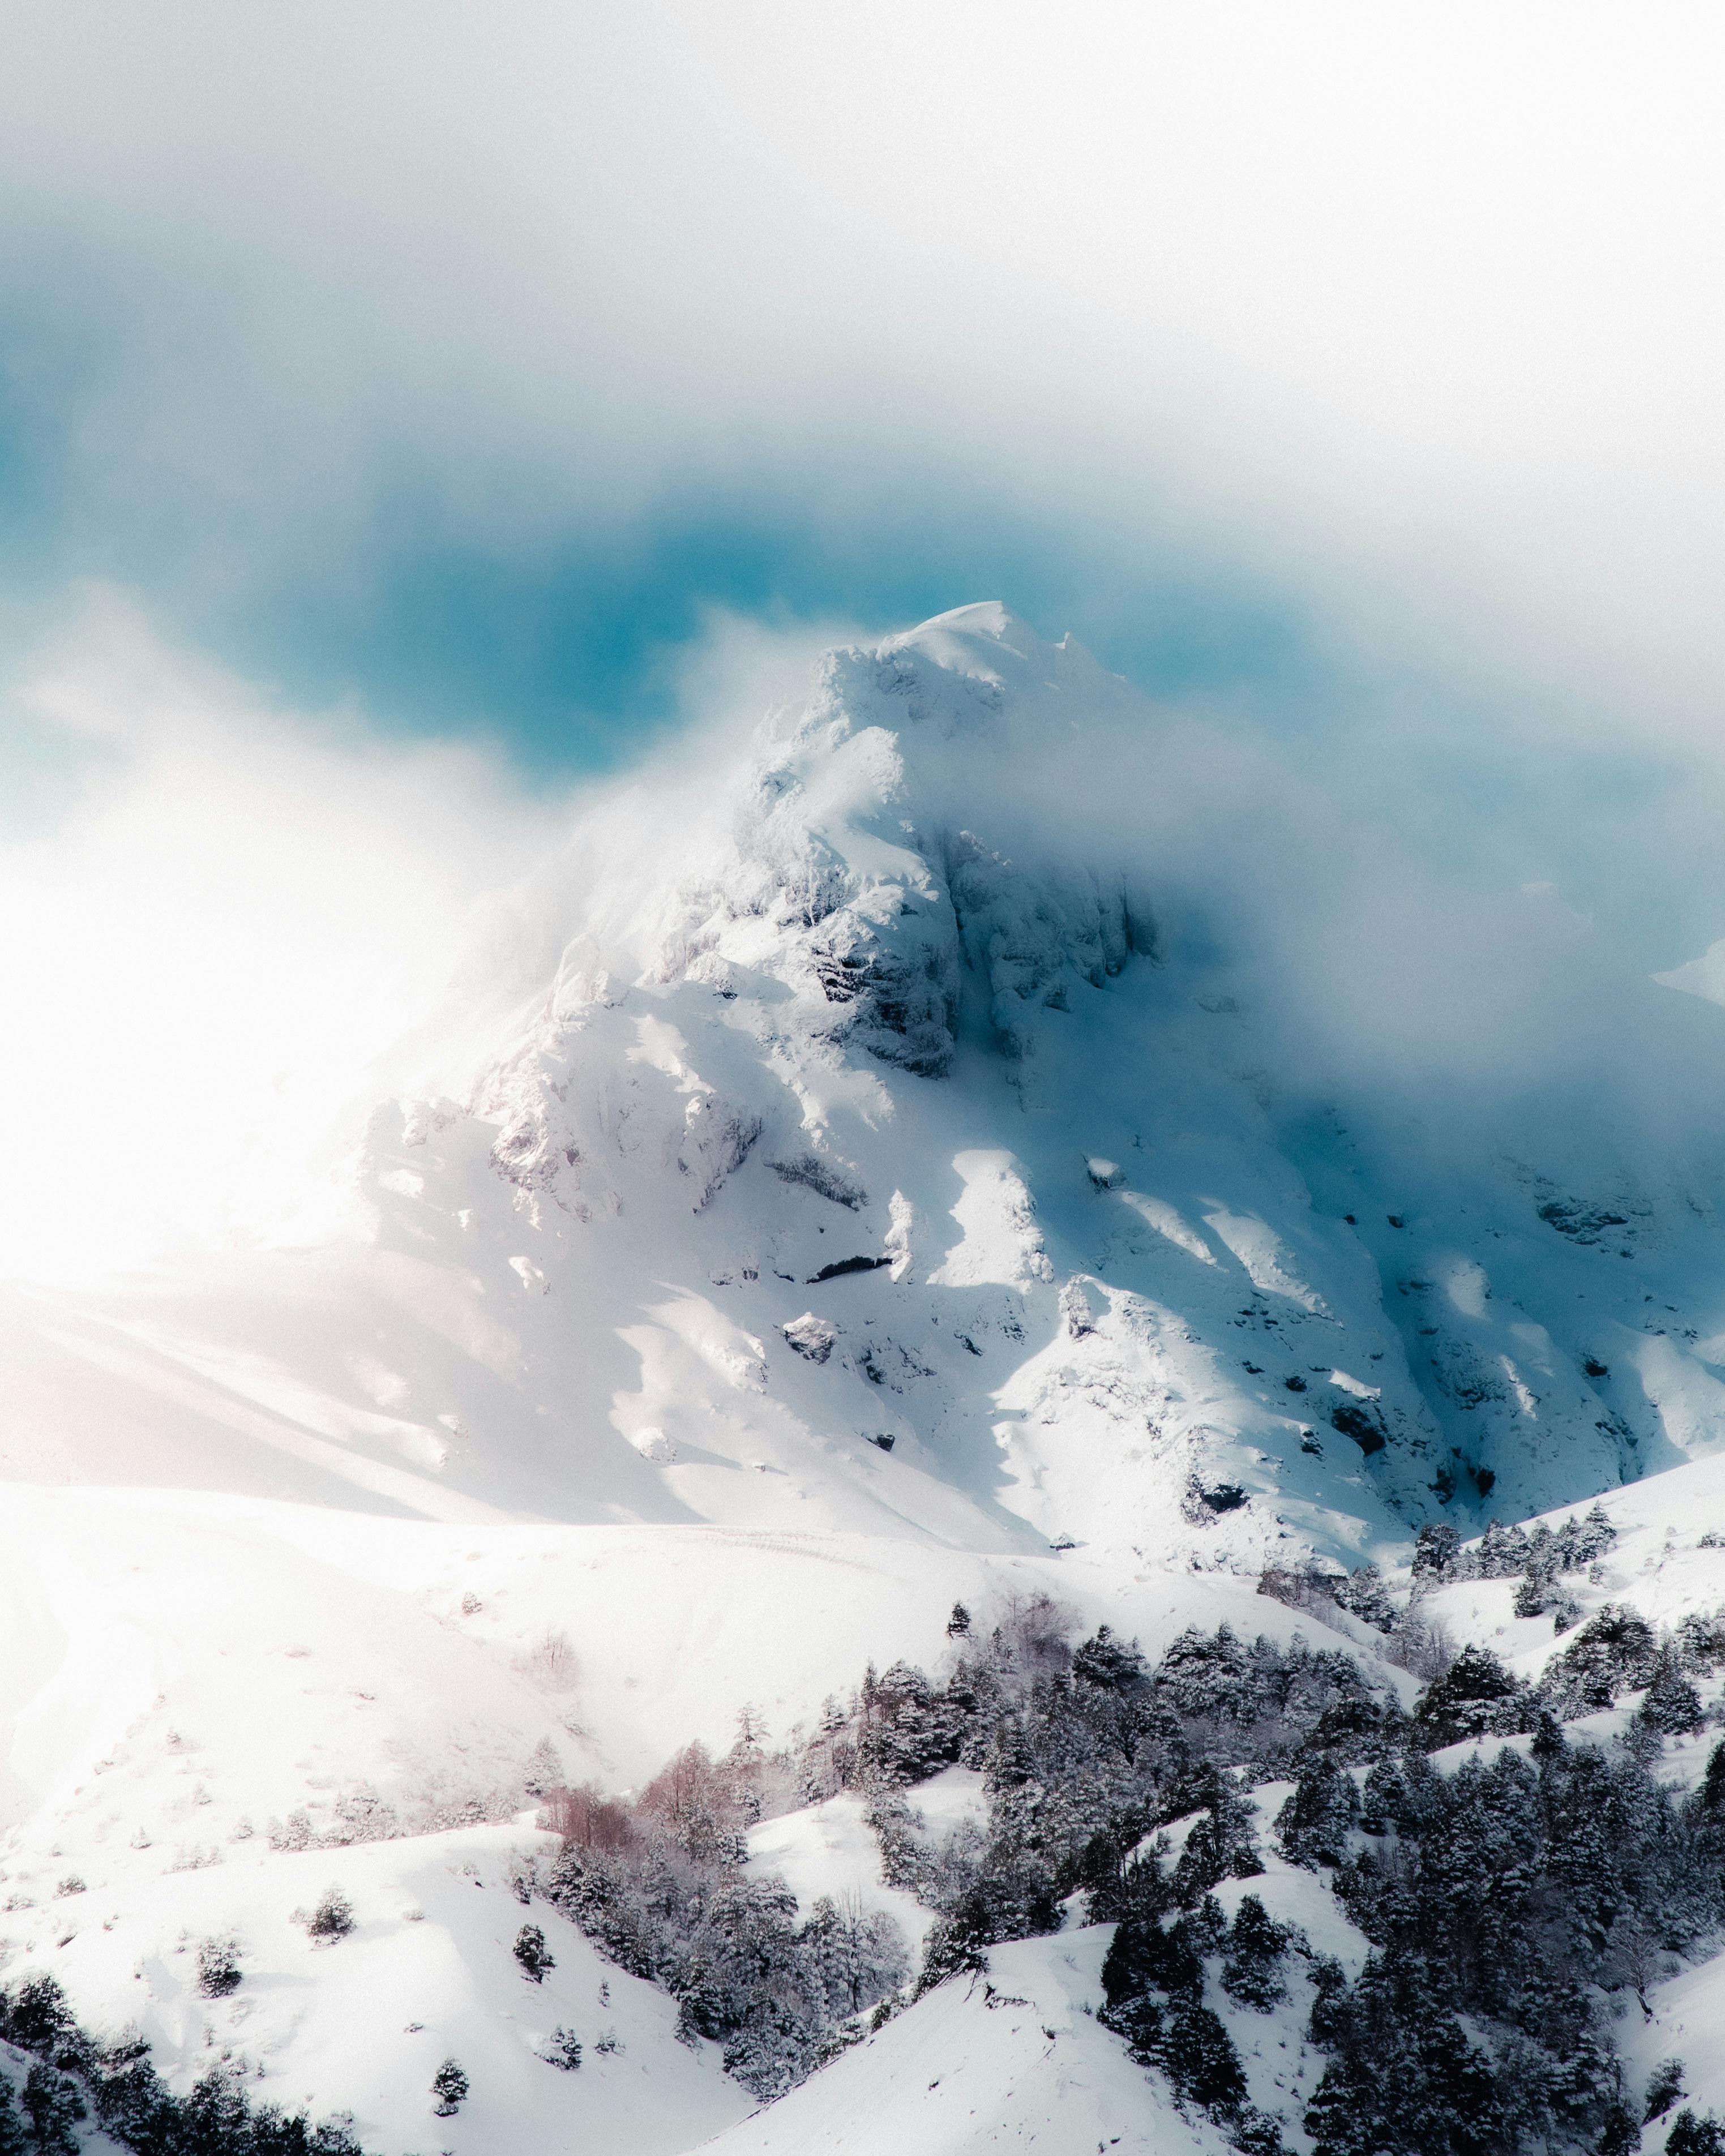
[(847, 1182)]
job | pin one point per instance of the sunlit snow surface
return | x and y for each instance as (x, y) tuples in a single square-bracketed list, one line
[(837, 1205)]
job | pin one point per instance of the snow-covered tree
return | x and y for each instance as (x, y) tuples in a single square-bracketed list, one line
[(449, 2086), (532, 1954)]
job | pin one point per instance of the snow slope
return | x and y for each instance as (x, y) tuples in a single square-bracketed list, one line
[(360, 2023), (843, 1183), (1010, 2061)]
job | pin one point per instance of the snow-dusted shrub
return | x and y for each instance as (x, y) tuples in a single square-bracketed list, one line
[(218, 1970), (551, 1662), (333, 1919)]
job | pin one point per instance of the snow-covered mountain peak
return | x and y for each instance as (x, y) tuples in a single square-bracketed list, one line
[(840, 1141), (853, 866)]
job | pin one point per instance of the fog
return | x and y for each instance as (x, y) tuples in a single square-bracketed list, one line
[(1408, 316), (230, 914)]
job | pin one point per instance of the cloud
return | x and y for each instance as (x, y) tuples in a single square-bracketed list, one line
[(1408, 310), (232, 929), (1404, 318), (231, 917)]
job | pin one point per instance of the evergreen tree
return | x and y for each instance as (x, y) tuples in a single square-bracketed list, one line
[(532, 1954), (1664, 2085), (1615, 1651), (1593, 1538), (216, 2116), (1475, 1695), (1436, 1548), (1314, 1823), (37, 2017), (544, 1772), (1103, 1662), (1672, 1705), (449, 2086), (12, 2132), (54, 2107), (1256, 1944), (564, 2049), (1621, 2136), (1197, 2056), (218, 1970)]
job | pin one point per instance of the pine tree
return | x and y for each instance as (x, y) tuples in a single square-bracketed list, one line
[(1593, 1538), (532, 1954), (54, 2107), (958, 1624), (1103, 1662), (1664, 2085), (1615, 1651), (544, 1770), (1255, 1947), (1435, 1550), (449, 2086), (216, 2115), (1315, 1822), (563, 2050), (1475, 1695), (1672, 1705), (1502, 1551), (1621, 2136), (37, 2015), (1197, 2056), (218, 1970), (12, 2132)]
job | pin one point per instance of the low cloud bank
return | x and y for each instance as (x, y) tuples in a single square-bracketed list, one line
[(227, 939)]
